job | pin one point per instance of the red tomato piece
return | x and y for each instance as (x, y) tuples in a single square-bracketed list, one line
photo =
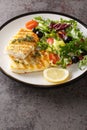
[(50, 40), (54, 58), (31, 24)]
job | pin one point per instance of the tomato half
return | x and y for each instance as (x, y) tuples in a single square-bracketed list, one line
[(50, 41), (31, 24), (54, 58)]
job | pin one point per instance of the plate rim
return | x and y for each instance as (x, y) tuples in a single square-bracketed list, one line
[(42, 12)]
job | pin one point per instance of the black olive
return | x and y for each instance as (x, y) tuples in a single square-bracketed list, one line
[(35, 30), (39, 33), (74, 59), (67, 39)]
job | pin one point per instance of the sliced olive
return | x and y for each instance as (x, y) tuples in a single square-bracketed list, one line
[(39, 33), (75, 59), (67, 39), (35, 30)]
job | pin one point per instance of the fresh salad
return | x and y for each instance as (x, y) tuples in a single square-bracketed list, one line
[(63, 40)]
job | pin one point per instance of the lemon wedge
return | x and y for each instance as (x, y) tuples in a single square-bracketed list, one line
[(56, 75)]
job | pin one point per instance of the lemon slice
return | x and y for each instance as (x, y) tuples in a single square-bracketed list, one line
[(56, 75)]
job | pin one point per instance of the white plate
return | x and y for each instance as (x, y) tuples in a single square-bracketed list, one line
[(36, 78)]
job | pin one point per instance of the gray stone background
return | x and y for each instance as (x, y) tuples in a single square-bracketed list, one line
[(23, 107)]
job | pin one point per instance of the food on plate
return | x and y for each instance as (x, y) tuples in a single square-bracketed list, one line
[(31, 24), (56, 75), (45, 43), (22, 44), (23, 53), (33, 62), (63, 40)]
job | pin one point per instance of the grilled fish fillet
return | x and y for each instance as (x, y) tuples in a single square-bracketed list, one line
[(24, 55), (31, 63), (22, 44)]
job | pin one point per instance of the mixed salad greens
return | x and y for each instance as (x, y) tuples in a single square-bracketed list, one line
[(63, 40)]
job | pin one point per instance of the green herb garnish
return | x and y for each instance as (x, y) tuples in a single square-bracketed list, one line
[(27, 39)]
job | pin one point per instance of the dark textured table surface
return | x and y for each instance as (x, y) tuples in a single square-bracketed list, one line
[(23, 107)]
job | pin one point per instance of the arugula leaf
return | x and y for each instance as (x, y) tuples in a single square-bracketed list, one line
[(42, 44)]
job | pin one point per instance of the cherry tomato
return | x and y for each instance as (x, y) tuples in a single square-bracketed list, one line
[(31, 24), (54, 58), (50, 40)]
